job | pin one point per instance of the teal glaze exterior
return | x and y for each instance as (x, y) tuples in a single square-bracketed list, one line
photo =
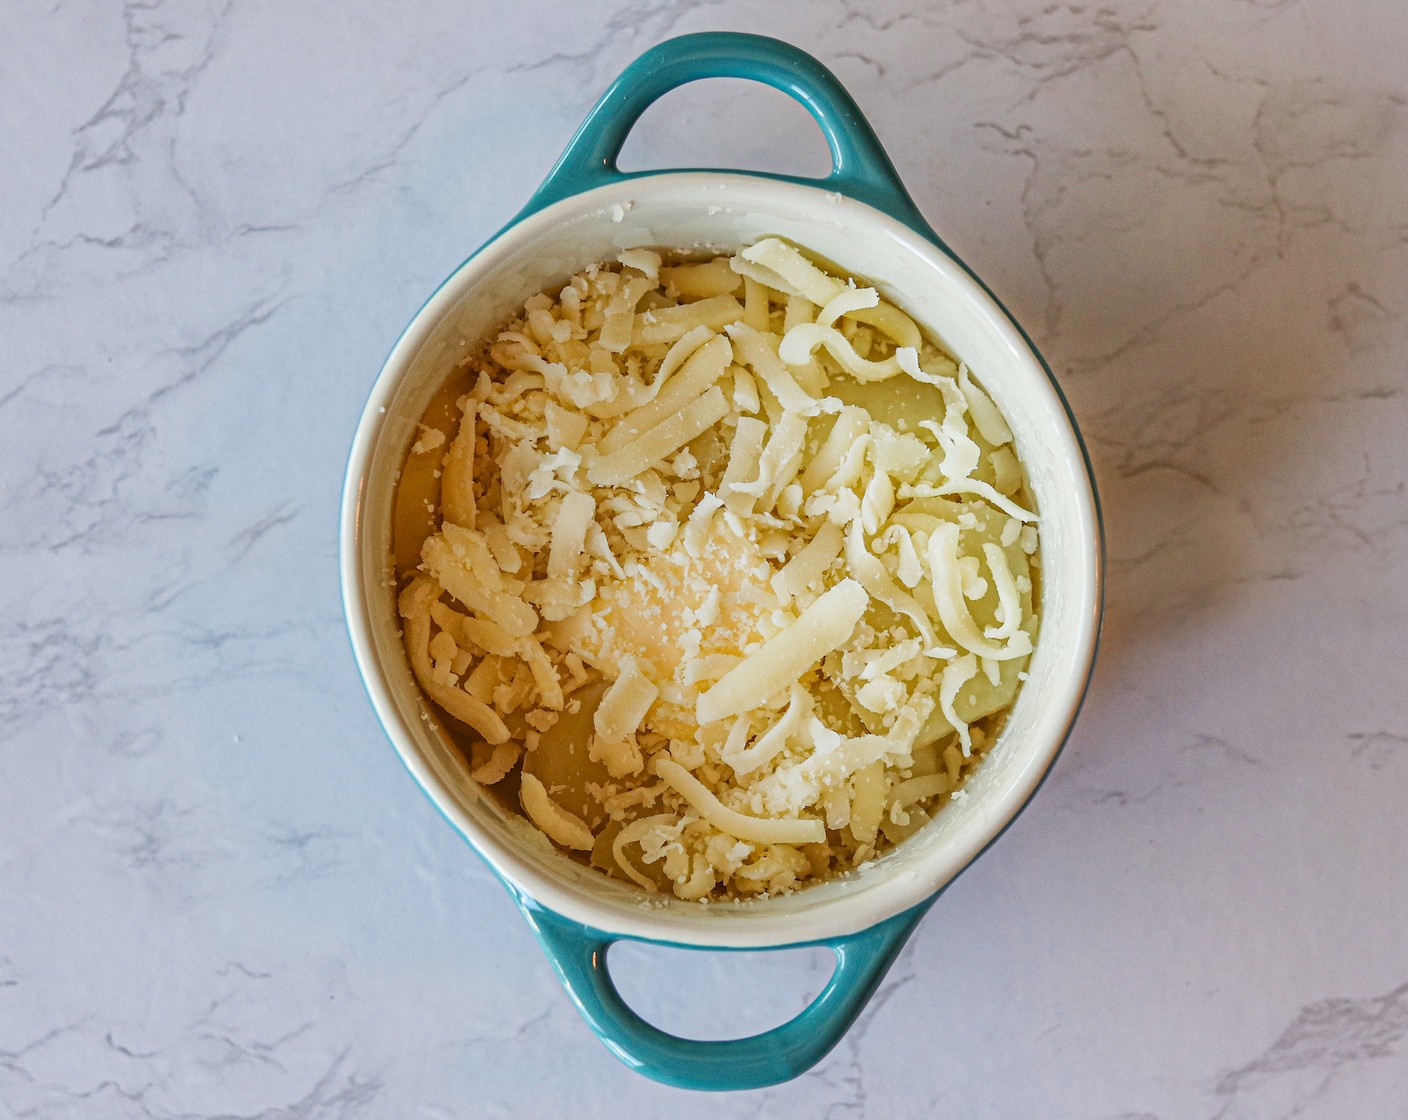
[(860, 168), (578, 956), (861, 171)]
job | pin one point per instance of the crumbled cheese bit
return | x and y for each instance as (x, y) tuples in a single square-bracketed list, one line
[(455, 574), (1009, 605), (851, 424), (544, 674), (744, 455), (777, 464), (882, 694), (642, 260), (805, 570), (745, 391), (846, 301), (877, 503), (430, 439), (772, 742), (913, 790), (979, 489), (457, 480), (701, 280), (960, 452), (801, 340), (697, 528), (871, 574), (909, 568), (758, 351), (888, 660), (1006, 471), (414, 606), (625, 703), (569, 534), (565, 428), (789, 271)]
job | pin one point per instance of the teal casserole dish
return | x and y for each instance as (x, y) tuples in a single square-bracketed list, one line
[(861, 218)]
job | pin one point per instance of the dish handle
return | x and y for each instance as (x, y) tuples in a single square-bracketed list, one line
[(578, 955), (860, 169)]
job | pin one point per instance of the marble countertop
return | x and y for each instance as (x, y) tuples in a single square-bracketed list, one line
[(220, 895)]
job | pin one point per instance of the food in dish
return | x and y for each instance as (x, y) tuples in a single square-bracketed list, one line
[(724, 575)]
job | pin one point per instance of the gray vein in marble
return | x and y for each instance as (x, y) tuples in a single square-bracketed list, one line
[(53, 663), (1359, 318), (48, 665), (865, 59), (154, 837), (12, 1060), (635, 20), (39, 377), (89, 494), (1094, 797), (1378, 748), (1324, 1043), (304, 855), (389, 158), (1059, 56), (186, 575), (1376, 119), (152, 92), (880, 24), (243, 542), (1366, 513), (1078, 45), (1223, 748)]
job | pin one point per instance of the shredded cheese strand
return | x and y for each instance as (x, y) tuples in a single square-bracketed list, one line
[(955, 675), (947, 578), (759, 830), (823, 627), (561, 826)]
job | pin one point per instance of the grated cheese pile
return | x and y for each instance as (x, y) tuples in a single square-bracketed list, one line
[(727, 575)]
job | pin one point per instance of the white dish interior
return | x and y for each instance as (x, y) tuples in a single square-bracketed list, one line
[(701, 211)]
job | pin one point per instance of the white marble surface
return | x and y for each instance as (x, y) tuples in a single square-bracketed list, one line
[(220, 896)]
